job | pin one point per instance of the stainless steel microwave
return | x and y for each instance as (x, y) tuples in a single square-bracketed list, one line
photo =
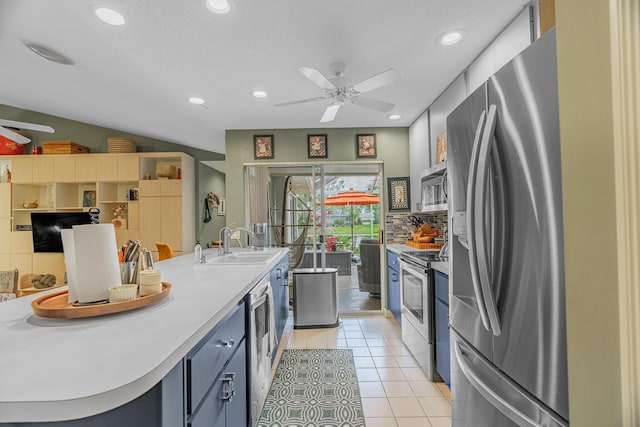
[(434, 188)]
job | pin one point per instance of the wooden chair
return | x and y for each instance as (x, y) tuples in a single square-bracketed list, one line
[(164, 251), (8, 284)]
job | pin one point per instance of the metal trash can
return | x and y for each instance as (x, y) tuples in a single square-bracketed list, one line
[(315, 298)]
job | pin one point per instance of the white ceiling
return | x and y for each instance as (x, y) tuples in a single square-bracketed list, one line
[(137, 77)]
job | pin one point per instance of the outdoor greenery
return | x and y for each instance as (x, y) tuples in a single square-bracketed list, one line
[(338, 219)]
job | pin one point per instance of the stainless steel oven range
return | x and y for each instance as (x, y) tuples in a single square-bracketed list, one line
[(417, 307)]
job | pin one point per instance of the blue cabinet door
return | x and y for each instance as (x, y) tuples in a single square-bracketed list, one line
[(393, 291), (236, 411), (443, 353), (442, 341), (279, 278), (393, 284)]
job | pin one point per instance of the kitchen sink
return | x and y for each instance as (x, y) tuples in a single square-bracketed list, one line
[(242, 258)]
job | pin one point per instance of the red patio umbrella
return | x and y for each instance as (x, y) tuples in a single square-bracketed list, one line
[(352, 197)]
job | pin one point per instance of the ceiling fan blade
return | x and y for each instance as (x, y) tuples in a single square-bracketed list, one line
[(302, 101), (330, 112), (374, 104), (25, 125), (317, 77), (9, 134), (381, 79)]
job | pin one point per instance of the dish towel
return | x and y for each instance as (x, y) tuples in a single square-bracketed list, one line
[(273, 341)]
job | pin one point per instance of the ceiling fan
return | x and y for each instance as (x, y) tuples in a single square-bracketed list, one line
[(340, 90), (7, 126)]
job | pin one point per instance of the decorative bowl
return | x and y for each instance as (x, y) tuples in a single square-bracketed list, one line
[(9, 147), (165, 171), (123, 293), (31, 205)]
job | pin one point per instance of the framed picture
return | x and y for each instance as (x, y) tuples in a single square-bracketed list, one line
[(263, 147), (366, 146), (88, 199), (398, 193), (317, 146)]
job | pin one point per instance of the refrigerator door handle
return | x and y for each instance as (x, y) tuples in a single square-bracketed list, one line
[(471, 233), (480, 226), (504, 394)]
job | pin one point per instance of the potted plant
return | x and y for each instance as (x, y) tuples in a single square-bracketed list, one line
[(331, 244)]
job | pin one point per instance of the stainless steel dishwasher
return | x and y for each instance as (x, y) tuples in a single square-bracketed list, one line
[(262, 342)]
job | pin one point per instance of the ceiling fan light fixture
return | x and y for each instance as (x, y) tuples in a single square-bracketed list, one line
[(48, 53), (395, 116), (451, 37), (259, 93), (218, 6), (109, 16), (196, 100)]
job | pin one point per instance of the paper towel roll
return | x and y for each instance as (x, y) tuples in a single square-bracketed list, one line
[(96, 261), (70, 263)]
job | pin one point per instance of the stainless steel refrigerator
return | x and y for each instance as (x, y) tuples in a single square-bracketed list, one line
[(508, 333)]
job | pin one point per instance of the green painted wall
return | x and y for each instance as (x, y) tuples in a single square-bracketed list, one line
[(210, 180), (290, 145)]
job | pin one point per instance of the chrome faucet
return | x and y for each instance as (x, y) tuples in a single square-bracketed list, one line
[(225, 236)]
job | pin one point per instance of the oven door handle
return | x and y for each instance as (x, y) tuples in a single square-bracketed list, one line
[(471, 229)]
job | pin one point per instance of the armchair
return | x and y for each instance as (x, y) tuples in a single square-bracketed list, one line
[(369, 267)]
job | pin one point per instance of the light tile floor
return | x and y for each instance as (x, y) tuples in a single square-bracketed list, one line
[(395, 391)]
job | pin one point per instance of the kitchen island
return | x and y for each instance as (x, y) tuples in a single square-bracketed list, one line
[(66, 369)]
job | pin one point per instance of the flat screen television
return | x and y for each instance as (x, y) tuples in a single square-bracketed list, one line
[(46, 228)]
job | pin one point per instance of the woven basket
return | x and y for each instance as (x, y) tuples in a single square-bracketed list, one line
[(121, 145)]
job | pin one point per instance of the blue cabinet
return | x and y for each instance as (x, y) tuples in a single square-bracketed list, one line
[(393, 284), (216, 375), (225, 404), (443, 357), (279, 278)]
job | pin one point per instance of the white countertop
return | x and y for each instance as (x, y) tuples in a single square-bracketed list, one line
[(59, 369), (442, 266)]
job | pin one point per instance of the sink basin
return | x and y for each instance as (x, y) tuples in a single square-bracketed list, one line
[(242, 258)]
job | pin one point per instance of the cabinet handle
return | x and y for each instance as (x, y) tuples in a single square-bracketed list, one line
[(228, 344), (228, 386)]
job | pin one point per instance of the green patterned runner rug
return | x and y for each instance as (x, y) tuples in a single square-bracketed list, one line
[(314, 388)]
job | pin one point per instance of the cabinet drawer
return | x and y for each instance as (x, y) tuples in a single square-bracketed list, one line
[(442, 287), (393, 261), (208, 358), (226, 403)]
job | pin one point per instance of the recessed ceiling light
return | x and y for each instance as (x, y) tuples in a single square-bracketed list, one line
[(218, 6), (450, 37), (47, 53), (259, 94), (110, 16), (395, 117), (195, 100)]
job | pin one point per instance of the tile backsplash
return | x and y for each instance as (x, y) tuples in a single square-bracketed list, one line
[(397, 228)]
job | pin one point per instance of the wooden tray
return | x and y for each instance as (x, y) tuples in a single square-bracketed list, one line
[(63, 147), (419, 245), (57, 305), (33, 290)]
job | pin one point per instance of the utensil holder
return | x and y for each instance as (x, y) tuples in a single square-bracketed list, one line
[(128, 272)]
